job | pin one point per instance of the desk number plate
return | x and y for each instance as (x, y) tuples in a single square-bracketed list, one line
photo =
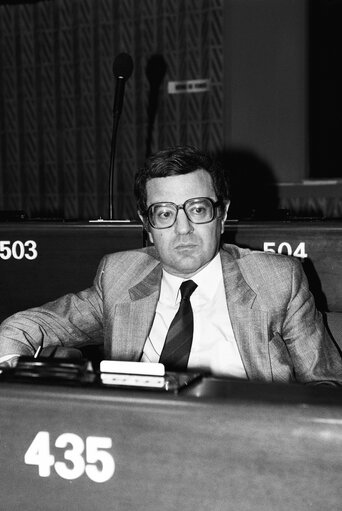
[(90, 457)]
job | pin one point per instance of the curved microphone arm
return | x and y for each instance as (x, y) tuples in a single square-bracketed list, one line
[(122, 69)]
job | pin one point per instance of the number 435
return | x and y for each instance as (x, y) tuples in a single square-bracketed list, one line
[(95, 447)]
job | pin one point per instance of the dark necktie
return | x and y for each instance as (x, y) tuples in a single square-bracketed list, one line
[(176, 350)]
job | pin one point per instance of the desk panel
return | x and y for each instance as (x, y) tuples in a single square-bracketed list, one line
[(41, 261), (69, 253), (170, 451)]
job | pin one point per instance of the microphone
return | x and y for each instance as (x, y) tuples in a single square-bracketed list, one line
[(122, 69)]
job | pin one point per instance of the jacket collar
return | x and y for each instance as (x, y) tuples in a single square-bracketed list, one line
[(237, 289)]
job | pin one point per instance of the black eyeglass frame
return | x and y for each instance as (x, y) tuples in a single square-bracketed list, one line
[(215, 205)]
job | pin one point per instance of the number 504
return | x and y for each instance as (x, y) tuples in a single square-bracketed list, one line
[(90, 457), (285, 247)]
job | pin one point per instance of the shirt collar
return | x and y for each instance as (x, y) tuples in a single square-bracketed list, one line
[(207, 280)]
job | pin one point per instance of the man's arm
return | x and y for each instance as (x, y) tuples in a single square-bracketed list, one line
[(314, 355), (73, 320)]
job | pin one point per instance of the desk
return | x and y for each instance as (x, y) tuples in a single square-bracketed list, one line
[(221, 446)]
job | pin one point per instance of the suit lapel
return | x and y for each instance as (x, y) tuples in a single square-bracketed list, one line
[(133, 319), (248, 321)]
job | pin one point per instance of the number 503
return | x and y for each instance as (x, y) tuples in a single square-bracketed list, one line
[(97, 463)]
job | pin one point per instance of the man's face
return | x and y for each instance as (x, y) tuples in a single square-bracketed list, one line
[(185, 247)]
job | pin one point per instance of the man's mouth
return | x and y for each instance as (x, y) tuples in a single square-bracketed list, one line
[(185, 246)]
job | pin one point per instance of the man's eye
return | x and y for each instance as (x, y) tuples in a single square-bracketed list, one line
[(198, 210), (164, 214)]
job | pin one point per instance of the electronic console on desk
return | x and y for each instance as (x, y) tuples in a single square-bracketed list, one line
[(123, 374)]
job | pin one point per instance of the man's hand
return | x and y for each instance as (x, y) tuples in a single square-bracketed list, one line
[(9, 361)]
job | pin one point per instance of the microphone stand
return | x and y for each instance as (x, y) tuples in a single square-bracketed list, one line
[(112, 210), (122, 68)]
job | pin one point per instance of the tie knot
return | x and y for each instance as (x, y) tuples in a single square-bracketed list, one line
[(187, 288)]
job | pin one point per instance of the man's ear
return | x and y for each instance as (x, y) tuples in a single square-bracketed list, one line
[(146, 226), (224, 214)]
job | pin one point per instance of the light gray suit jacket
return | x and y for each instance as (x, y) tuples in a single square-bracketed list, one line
[(279, 332)]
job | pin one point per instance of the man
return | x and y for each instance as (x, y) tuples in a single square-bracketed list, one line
[(246, 314)]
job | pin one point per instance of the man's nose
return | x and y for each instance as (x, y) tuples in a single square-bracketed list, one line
[(183, 224)]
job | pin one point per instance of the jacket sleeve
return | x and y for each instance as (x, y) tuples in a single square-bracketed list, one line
[(314, 355), (73, 320)]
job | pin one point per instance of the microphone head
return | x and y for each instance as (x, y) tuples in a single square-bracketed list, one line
[(123, 66)]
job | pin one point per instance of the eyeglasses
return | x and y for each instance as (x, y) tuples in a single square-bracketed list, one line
[(200, 210)]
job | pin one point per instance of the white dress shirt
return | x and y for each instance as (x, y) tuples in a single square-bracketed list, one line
[(214, 348)]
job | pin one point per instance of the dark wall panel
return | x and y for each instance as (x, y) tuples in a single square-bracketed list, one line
[(57, 90), (266, 75)]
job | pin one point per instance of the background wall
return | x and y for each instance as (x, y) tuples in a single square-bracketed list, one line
[(57, 90), (325, 86), (266, 71), (263, 114)]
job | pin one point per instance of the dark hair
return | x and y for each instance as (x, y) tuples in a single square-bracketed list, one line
[(174, 161)]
